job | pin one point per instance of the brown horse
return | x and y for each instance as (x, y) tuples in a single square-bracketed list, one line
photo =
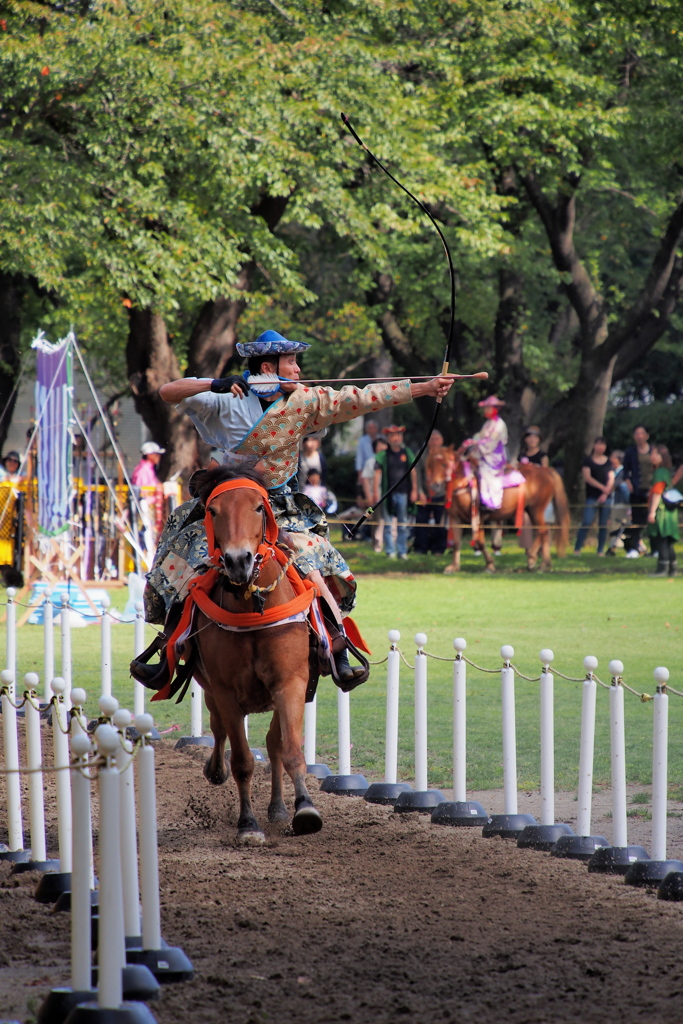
[(541, 487), (259, 669)]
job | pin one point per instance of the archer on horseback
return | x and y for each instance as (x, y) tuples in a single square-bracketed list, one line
[(253, 420)]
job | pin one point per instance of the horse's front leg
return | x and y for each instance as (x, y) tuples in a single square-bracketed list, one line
[(289, 701), (457, 543), (242, 767), (490, 565), (214, 769), (277, 810)]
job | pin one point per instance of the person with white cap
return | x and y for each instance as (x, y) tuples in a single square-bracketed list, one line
[(258, 419), (145, 473)]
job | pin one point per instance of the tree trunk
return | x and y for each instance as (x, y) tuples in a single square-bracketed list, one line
[(11, 297), (212, 342), (152, 362)]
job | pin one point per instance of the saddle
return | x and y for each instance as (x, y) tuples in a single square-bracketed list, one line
[(169, 677)]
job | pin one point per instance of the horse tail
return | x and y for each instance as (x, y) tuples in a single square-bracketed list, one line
[(561, 512)]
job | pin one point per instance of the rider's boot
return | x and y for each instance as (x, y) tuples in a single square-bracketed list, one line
[(157, 675)]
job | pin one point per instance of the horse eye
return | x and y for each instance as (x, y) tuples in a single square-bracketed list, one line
[(260, 508), (212, 512)]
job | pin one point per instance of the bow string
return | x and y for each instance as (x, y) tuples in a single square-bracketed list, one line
[(451, 329)]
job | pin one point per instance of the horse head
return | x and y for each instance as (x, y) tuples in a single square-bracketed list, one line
[(238, 520)]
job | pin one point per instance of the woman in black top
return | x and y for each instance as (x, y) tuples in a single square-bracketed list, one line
[(599, 478), (532, 449)]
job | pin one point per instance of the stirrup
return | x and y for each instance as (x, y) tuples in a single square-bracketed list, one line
[(154, 677), (355, 674)]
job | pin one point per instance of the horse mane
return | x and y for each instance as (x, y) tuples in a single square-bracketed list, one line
[(203, 481)]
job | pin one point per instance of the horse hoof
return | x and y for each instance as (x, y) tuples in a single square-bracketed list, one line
[(216, 777), (278, 812), (250, 839), (490, 569), (307, 820), (449, 570)]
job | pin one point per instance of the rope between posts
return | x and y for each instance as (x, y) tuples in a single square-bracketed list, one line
[(381, 661), (529, 679), (479, 668), (643, 697), (96, 762)]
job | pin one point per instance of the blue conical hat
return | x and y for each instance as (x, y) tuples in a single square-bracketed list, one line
[(271, 343)]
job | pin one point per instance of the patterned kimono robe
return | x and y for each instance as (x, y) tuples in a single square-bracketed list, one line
[(491, 441), (247, 435)]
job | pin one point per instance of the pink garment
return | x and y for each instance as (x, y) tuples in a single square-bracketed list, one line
[(144, 474)]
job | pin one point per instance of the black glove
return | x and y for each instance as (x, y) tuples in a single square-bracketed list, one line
[(222, 385)]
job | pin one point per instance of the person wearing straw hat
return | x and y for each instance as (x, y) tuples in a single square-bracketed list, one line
[(258, 419)]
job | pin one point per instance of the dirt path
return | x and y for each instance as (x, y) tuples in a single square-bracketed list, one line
[(378, 918)]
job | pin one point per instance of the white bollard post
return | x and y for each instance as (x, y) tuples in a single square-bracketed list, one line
[(545, 835), (617, 858), (139, 646), (62, 782), (659, 871), (79, 726), (15, 829), (48, 646), (11, 639), (421, 781), (583, 845), (65, 629), (36, 800), (588, 698), (344, 730), (660, 751), (459, 722), (167, 963), (129, 850), (546, 686), (111, 943), (618, 756), (196, 698), (105, 647), (387, 792), (310, 727), (422, 798), (393, 689), (510, 824), (81, 926), (459, 811), (507, 690)]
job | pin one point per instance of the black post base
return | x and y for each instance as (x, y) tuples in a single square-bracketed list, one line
[(52, 885), (616, 860), (386, 792), (138, 982), (507, 826), (345, 785), (578, 847), (59, 1003), (126, 1013), (543, 837), (14, 856), (64, 902), (133, 734), (318, 771), (34, 865), (167, 965), (651, 872), (460, 814), (671, 887), (194, 741), (419, 801)]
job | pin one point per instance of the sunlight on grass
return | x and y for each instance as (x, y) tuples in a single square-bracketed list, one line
[(619, 614)]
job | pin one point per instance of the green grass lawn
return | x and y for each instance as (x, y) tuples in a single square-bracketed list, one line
[(606, 607)]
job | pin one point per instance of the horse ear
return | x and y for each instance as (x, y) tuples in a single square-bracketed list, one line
[(196, 482)]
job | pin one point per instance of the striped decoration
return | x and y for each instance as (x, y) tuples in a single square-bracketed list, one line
[(54, 397)]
